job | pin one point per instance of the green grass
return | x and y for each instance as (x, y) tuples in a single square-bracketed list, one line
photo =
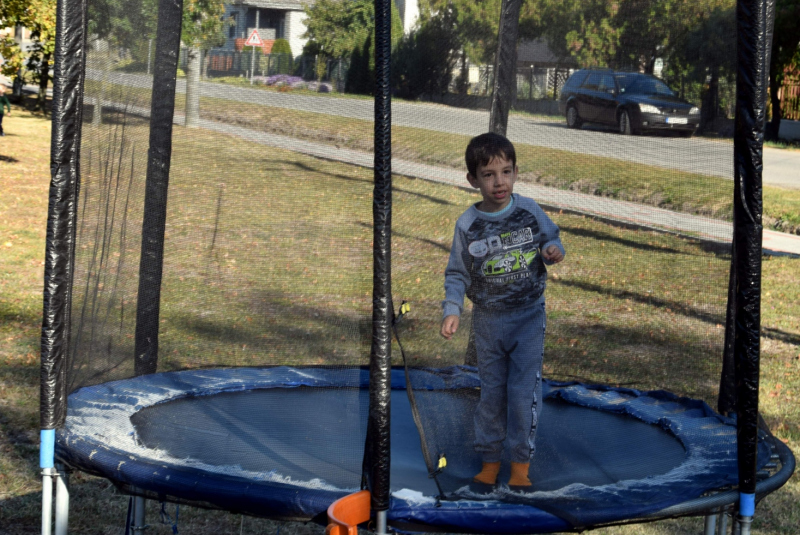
[(280, 283)]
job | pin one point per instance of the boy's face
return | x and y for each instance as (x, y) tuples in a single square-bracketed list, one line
[(496, 182)]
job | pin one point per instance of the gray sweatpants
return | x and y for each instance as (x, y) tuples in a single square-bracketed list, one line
[(510, 347)]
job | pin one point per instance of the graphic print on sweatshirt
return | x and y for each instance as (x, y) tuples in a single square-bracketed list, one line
[(506, 266)]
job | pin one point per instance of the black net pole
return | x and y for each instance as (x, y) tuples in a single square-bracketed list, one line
[(63, 203), (505, 66), (168, 40), (754, 29), (380, 356)]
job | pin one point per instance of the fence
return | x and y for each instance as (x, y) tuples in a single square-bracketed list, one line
[(790, 100), (223, 63)]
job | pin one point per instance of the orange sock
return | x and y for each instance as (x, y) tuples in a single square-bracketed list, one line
[(519, 475), (488, 474)]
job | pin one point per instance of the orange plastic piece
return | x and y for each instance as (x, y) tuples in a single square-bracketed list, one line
[(345, 514)]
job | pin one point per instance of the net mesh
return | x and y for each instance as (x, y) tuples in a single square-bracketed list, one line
[(267, 247)]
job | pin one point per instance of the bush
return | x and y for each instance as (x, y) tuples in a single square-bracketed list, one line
[(282, 56), (423, 61)]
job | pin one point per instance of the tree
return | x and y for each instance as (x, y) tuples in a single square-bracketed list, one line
[(335, 28), (282, 51), (39, 16), (202, 29), (423, 61), (707, 55), (346, 28), (785, 53)]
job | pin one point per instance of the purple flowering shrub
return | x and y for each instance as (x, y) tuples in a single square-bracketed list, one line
[(293, 82)]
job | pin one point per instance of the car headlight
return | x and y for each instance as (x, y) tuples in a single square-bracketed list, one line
[(694, 111), (648, 108)]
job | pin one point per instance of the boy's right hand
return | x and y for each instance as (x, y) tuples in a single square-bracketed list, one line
[(449, 326)]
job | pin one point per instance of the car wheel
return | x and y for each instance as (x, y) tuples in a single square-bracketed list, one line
[(625, 127), (573, 119)]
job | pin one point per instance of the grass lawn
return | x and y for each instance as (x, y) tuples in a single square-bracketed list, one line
[(672, 189), (626, 307)]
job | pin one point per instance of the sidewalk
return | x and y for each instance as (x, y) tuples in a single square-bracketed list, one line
[(775, 243)]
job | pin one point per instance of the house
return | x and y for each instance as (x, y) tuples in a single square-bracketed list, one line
[(273, 19), (285, 19)]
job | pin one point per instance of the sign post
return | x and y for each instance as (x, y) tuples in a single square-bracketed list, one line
[(254, 40)]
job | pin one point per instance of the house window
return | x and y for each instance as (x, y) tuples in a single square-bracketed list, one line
[(267, 18), (234, 24)]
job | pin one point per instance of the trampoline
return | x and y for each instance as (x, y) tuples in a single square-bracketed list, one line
[(220, 287), (604, 454)]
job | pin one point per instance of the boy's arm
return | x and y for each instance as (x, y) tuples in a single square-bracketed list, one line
[(550, 236), (456, 277)]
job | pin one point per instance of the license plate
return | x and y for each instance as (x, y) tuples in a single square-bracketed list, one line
[(677, 120)]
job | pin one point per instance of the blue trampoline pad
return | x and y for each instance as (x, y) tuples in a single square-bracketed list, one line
[(286, 442)]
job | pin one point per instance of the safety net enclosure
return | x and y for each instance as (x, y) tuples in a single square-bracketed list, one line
[(248, 196)]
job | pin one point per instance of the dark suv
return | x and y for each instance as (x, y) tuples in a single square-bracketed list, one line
[(631, 101)]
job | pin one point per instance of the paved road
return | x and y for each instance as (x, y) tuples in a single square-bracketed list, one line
[(694, 155)]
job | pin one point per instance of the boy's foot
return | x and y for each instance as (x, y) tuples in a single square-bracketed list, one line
[(486, 479), (519, 481)]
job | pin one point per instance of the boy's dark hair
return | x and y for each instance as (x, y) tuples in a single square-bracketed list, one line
[(484, 148)]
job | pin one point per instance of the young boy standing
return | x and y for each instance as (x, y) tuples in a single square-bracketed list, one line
[(498, 257)]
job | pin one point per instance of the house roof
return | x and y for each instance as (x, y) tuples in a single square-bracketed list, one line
[(289, 5), (538, 52)]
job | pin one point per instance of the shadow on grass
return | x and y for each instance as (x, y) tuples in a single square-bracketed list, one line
[(722, 250), (395, 189), (395, 232), (8, 159), (285, 330), (675, 306)]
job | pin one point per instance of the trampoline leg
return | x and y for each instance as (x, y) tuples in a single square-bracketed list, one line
[(723, 523), (138, 515), (47, 500), (743, 522), (62, 501), (711, 524), (381, 523)]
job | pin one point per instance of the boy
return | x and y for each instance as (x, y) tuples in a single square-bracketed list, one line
[(3, 102), (500, 249)]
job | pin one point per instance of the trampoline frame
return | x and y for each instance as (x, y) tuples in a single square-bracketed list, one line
[(754, 32)]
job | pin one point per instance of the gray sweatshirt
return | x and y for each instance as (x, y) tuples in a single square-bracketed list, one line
[(496, 261)]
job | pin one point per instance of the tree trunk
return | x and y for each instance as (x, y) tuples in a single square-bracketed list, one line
[(505, 79), (710, 102), (44, 79), (463, 77), (193, 68), (773, 128)]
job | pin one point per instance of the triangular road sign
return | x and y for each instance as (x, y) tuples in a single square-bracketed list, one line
[(254, 39)]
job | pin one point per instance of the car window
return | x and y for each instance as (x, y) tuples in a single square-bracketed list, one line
[(643, 85), (607, 83), (624, 81), (592, 82), (575, 80)]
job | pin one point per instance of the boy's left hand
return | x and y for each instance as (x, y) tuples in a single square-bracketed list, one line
[(553, 254)]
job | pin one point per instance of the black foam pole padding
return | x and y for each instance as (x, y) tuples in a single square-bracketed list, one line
[(381, 351), (168, 40), (505, 66), (754, 39), (68, 69)]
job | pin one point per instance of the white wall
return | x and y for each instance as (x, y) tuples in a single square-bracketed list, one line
[(409, 13), (295, 28)]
